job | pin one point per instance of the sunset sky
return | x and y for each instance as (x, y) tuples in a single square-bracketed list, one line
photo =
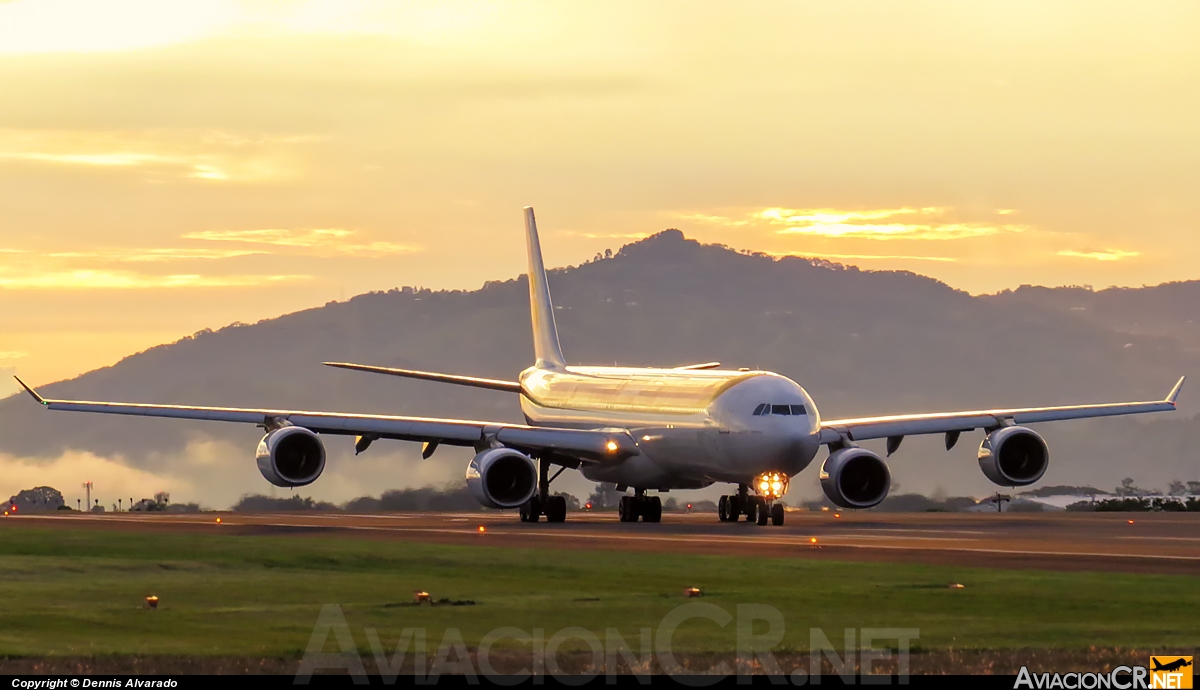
[(172, 166)]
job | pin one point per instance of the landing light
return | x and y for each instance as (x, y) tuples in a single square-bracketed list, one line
[(611, 446), (771, 485)]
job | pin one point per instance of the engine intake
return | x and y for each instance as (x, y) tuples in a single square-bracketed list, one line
[(855, 478), (502, 478), (291, 456), (1014, 456)]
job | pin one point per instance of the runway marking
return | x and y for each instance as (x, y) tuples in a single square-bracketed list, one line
[(931, 529), (1162, 538), (799, 541)]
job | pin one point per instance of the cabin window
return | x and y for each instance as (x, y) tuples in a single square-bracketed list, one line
[(781, 409), (798, 410), (759, 410)]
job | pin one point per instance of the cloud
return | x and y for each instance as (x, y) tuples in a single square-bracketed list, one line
[(217, 473), (155, 254), (209, 155), (843, 224), (191, 166), (901, 231), (326, 241), (830, 215), (111, 478), (713, 220), (12, 354), (901, 223), (128, 280), (605, 236), (80, 26), (1109, 255)]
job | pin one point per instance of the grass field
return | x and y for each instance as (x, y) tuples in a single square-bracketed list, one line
[(80, 593)]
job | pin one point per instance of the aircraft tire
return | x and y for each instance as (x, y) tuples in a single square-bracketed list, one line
[(723, 509), (627, 509), (556, 509), (764, 514), (735, 508), (777, 515), (530, 510), (652, 509)]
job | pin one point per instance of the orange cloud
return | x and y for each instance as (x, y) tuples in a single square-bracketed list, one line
[(325, 240)]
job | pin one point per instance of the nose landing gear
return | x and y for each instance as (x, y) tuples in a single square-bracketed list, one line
[(760, 508), (639, 505)]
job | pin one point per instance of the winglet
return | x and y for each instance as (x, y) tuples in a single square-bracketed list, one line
[(1174, 394), (32, 392)]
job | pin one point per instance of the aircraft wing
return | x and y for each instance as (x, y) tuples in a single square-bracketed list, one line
[(579, 444), (954, 422)]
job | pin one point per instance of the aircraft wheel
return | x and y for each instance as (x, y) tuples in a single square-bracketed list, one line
[(556, 509), (723, 509), (755, 503), (777, 514), (735, 508), (627, 509), (764, 513), (530, 510), (652, 509)]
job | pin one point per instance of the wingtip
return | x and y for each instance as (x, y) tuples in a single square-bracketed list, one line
[(31, 391), (1174, 394)]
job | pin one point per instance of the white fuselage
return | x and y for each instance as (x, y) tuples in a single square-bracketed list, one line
[(692, 427)]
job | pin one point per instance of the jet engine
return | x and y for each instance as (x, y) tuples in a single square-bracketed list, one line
[(1014, 456), (291, 456), (855, 478), (502, 478)]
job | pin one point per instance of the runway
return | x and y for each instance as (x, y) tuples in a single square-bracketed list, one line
[(1166, 543)]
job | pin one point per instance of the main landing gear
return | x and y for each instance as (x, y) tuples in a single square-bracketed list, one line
[(754, 508), (639, 505), (542, 503)]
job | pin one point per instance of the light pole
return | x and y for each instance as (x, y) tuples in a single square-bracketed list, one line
[(88, 486)]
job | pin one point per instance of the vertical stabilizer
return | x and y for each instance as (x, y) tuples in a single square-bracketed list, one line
[(546, 350)]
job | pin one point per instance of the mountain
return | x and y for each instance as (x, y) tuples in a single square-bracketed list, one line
[(1170, 309), (861, 342)]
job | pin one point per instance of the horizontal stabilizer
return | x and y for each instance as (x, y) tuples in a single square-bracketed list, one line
[(492, 384)]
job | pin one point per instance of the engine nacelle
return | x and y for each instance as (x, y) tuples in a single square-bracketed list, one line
[(855, 478), (291, 456), (502, 478), (1014, 456)]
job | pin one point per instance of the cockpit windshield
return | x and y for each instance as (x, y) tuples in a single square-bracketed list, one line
[(783, 410)]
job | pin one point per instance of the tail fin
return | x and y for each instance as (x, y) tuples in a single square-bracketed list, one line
[(546, 349)]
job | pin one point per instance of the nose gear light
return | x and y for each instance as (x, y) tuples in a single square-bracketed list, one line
[(771, 485)]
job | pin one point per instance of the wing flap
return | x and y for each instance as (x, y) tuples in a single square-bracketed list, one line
[(939, 423), (591, 445)]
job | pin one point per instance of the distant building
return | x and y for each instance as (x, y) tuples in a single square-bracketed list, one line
[(39, 499)]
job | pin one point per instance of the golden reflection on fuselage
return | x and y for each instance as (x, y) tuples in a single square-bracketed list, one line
[(679, 392)]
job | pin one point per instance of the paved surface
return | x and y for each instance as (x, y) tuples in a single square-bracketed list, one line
[(1129, 542)]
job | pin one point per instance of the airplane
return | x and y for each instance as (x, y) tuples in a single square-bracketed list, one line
[(649, 429), (1179, 663)]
